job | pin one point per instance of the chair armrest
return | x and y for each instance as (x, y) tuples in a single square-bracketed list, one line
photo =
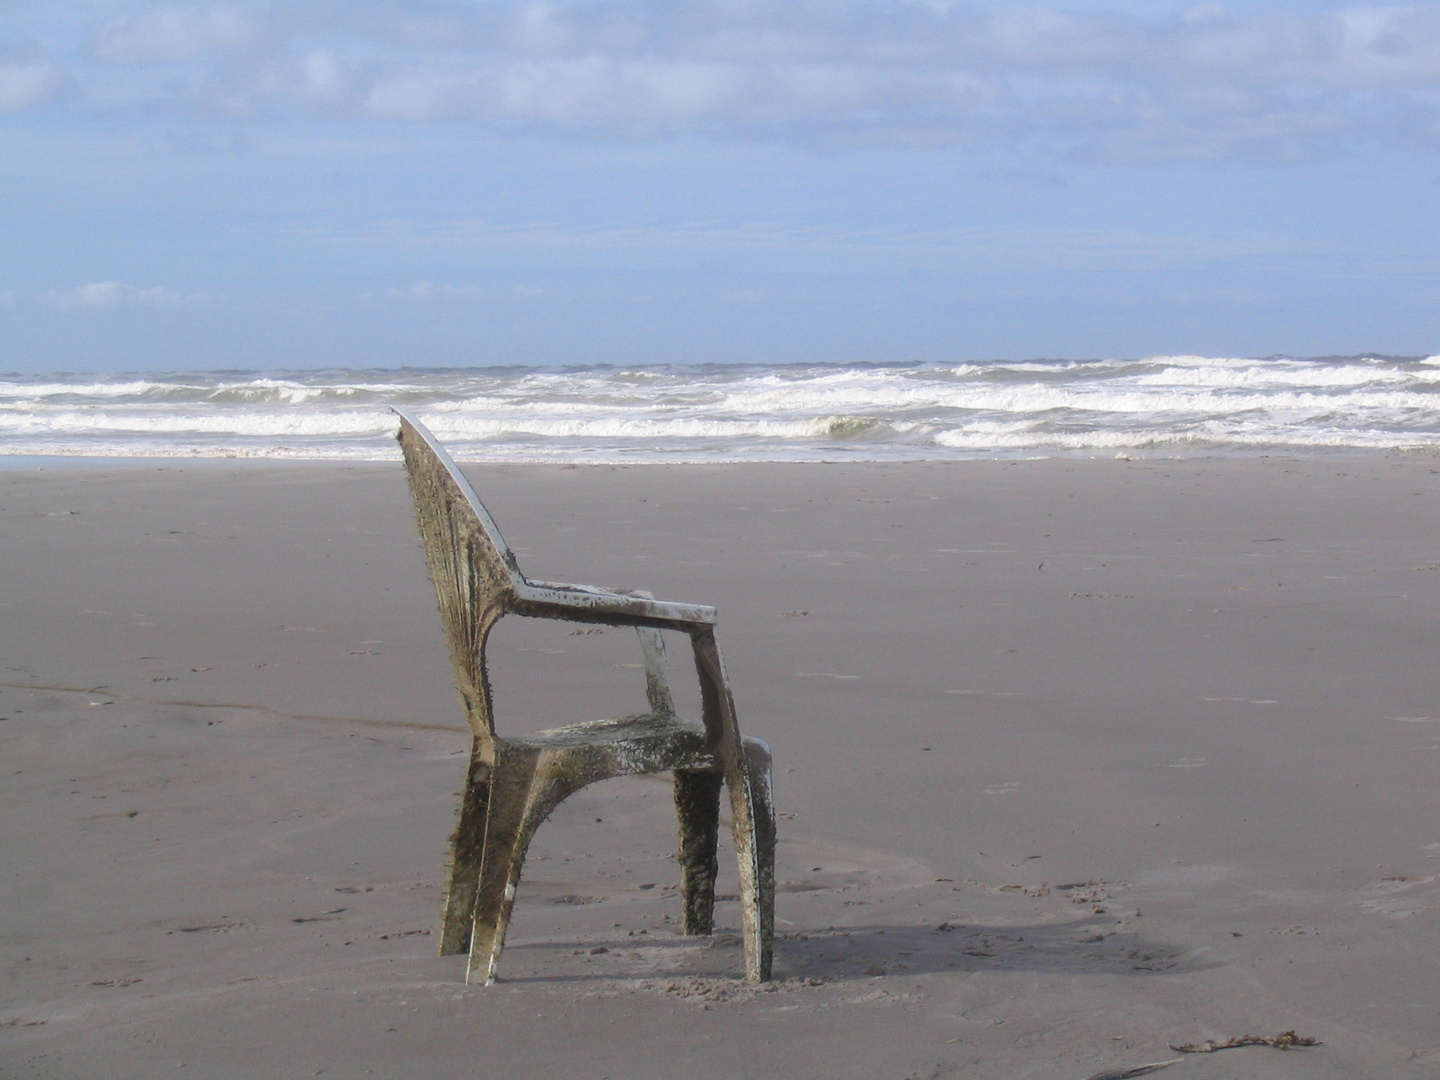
[(584, 603)]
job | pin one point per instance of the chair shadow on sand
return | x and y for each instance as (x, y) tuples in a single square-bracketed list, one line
[(878, 953)]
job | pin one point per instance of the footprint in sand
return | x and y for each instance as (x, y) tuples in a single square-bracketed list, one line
[(828, 865), (1396, 898)]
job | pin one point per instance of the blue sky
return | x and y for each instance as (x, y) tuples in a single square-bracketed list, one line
[(397, 182)]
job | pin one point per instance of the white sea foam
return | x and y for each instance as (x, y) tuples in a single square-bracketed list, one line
[(1159, 404)]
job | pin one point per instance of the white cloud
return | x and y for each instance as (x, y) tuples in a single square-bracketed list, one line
[(439, 292), (830, 248), (428, 290), (26, 83), (172, 33), (1197, 84), (109, 295)]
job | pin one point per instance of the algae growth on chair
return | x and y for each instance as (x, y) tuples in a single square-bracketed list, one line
[(514, 783)]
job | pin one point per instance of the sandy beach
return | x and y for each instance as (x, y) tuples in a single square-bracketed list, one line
[(1076, 760)]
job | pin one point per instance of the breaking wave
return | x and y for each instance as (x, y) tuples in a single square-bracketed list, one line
[(1166, 405)]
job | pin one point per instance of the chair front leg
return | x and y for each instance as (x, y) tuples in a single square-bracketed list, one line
[(746, 766), (697, 803), (752, 807)]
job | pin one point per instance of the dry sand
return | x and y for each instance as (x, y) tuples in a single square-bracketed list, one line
[(1077, 759)]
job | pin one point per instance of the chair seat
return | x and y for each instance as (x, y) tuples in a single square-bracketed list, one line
[(643, 742)]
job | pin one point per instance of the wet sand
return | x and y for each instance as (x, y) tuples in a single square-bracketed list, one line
[(1077, 760)]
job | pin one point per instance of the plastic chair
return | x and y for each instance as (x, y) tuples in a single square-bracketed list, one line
[(514, 783)]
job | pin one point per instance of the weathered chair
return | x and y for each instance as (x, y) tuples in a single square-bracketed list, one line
[(514, 783)]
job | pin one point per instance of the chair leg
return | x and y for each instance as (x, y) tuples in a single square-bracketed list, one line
[(506, 838), (697, 803), (467, 845), (754, 814)]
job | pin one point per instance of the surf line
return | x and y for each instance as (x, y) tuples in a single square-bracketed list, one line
[(100, 691)]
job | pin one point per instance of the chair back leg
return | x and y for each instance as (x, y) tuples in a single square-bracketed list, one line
[(697, 804), (527, 784), (503, 857), (467, 849)]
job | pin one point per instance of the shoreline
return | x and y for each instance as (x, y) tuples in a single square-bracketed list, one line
[(80, 461)]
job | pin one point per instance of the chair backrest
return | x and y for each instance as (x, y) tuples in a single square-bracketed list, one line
[(475, 574)]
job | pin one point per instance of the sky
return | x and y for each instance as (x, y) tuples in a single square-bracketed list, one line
[(384, 183)]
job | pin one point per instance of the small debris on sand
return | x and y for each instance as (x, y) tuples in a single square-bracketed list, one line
[(1284, 1041)]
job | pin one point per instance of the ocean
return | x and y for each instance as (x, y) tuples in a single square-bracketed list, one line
[(1161, 406)]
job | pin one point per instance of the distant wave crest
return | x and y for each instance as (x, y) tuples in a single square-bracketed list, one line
[(1164, 405)]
